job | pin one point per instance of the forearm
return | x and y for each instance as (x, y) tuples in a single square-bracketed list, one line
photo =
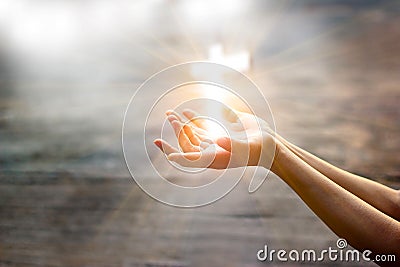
[(381, 197), (347, 215)]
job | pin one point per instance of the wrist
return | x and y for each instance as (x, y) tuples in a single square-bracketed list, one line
[(270, 152), (278, 154)]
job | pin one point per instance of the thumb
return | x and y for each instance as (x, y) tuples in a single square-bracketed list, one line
[(229, 144)]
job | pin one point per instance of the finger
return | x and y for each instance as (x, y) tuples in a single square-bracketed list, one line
[(165, 146), (190, 114), (193, 117), (194, 139), (220, 160), (191, 156), (174, 113), (210, 159), (183, 139), (172, 118), (199, 131), (195, 129), (195, 134), (191, 159)]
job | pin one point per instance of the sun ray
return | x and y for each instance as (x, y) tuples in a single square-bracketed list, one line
[(171, 53), (108, 220), (334, 29), (328, 54), (196, 50), (267, 68), (272, 22)]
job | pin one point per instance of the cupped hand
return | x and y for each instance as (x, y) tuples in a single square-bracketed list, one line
[(251, 141)]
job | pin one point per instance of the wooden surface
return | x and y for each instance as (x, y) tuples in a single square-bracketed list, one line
[(330, 73), (60, 220)]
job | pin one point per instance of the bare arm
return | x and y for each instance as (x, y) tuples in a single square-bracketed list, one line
[(380, 196), (347, 215)]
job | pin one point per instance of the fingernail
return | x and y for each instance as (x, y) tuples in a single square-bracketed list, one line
[(158, 144), (176, 123), (171, 118)]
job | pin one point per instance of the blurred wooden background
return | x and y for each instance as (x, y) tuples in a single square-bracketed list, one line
[(330, 71)]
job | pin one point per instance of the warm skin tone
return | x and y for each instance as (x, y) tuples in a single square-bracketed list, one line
[(363, 212)]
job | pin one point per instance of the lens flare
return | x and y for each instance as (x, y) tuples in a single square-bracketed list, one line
[(215, 130)]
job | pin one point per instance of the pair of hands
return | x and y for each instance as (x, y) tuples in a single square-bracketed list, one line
[(251, 141)]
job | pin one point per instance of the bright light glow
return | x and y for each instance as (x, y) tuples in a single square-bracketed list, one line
[(205, 13), (58, 27), (42, 27), (239, 61), (215, 130), (214, 109)]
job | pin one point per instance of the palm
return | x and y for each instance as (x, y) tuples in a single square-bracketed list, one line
[(246, 126)]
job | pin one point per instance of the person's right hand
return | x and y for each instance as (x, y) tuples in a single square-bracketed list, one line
[(251, 142)]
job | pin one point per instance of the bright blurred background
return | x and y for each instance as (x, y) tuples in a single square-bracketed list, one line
[(329, 69)]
